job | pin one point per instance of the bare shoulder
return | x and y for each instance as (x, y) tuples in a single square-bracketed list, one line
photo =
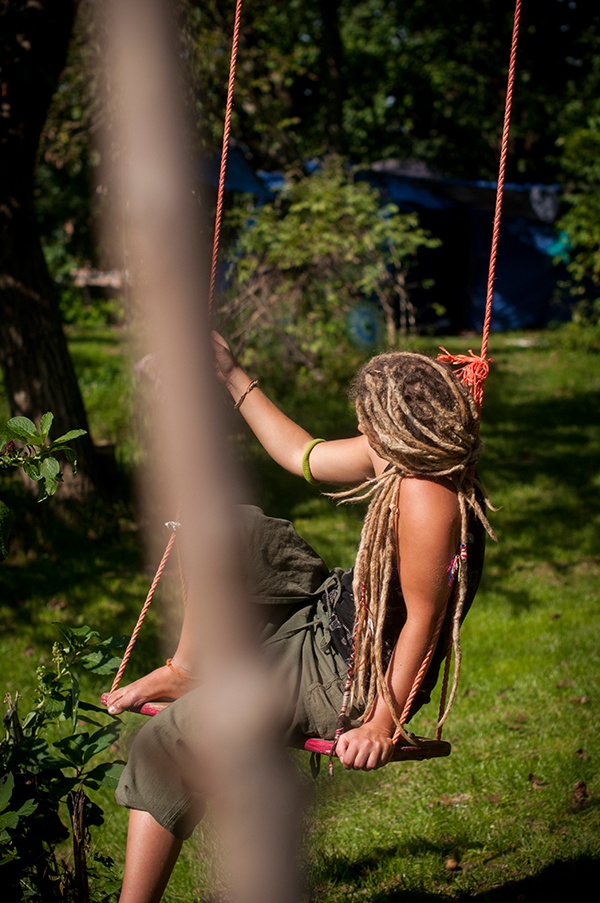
[(427, 500)]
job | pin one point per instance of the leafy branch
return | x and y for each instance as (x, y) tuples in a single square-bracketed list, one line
[(25, 446)]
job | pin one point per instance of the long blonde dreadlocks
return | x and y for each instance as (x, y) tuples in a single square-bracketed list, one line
[(419, 417)]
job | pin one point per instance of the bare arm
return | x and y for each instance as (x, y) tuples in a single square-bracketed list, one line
[(343, 461), (428, 533)]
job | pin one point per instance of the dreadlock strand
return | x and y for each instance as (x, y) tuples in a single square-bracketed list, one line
[(458, 608), (373, 572)]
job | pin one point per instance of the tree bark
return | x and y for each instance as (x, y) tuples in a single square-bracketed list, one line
[(36, 365)]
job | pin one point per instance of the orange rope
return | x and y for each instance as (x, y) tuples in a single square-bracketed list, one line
[(213, 272), (446, 676), (474, 368), (145, 608), (422, 670), (225, 148)]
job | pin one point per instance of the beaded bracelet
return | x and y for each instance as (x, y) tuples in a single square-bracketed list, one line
[(305, 462)]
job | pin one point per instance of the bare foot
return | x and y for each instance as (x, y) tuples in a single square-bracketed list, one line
[(163, 683)]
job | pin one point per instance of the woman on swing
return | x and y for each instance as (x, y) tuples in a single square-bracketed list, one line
[(421, 544)]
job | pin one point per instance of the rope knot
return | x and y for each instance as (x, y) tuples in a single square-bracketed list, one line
[(472, 370)]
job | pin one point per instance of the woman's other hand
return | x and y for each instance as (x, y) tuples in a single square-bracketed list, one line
[(366, 747), (225, 362)]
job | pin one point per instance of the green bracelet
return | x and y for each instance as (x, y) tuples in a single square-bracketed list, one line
[(305, 463)]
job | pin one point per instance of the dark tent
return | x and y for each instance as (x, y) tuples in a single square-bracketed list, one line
[(461, 214)]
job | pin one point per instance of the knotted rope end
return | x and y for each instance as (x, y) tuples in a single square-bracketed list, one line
[(472, 370)]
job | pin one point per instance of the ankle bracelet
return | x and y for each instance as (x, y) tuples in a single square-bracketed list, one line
[(181, 672)]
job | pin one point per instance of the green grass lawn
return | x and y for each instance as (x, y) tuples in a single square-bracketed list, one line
[(514, 813)]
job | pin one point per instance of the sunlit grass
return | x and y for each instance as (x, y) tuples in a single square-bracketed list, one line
[(518, 800)]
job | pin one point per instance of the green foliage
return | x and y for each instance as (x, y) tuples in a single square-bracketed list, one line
[(302, 263), (278, 53), (377, 80), (48, 768), (25, 446), (450, 61), (78, 306), (78, 303), (581, 222)]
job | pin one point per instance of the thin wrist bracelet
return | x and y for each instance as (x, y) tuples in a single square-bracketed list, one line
[(251, 386), (306, 464)]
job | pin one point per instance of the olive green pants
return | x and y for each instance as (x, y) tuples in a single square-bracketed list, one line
[(295, 592)]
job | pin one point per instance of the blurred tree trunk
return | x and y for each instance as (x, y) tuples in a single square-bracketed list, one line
[(36, 365)]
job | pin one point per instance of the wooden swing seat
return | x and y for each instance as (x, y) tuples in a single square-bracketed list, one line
[(425, 748)]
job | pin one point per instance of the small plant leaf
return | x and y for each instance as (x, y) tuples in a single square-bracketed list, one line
[(28, 808), (32, 469), (68, 437), (6, 788), (78, 636), (101, 662), (8, 820), (24, 428), (74, 748), (101, 739), (50, 474), (46, 423), (49, 468), (105, 775)]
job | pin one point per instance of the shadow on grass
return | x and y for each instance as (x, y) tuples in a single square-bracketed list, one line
[(562, 880), (556, 437), (543, 454), (70, 567)]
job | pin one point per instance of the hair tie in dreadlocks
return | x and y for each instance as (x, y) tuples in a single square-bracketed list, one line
[(417, 416)]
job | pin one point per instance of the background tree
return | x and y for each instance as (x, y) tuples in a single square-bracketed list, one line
[(307, 266), (409, 79), (38, 371), (375, 79)]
